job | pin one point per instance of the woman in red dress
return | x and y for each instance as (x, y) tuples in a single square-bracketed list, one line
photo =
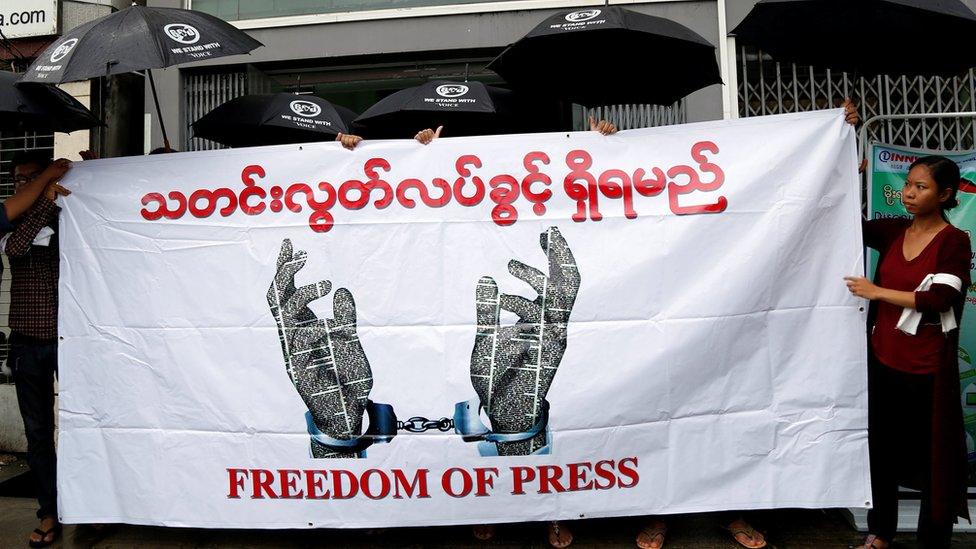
[(915, 426)]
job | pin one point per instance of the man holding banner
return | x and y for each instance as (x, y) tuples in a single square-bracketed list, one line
[(32, 248)]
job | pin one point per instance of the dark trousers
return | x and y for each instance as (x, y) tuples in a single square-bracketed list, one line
[(35, 365), (899, 435)]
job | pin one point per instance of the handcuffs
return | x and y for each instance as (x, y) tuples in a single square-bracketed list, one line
[(383, 426)]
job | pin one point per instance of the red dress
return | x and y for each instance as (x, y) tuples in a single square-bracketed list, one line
[(929, 351), (948, 252)]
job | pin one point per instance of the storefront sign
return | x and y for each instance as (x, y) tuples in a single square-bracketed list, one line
[(28, 18)]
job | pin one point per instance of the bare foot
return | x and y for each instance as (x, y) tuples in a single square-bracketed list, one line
[(745, 535), (560, 535), (652, 536)]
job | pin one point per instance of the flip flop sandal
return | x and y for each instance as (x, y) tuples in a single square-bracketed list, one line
[(750, 533), (54, 532), (653, 533), (554, 534)]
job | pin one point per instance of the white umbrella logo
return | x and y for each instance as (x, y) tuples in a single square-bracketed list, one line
[(182, 33), (584, 15), (63, 50), (451, 90), (305, 108)]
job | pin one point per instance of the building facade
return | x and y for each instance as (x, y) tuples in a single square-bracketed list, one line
[(354, 53)]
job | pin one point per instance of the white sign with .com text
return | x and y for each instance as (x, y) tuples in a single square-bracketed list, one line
[(28, 18)]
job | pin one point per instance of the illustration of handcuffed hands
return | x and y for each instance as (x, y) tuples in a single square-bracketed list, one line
[(512, 367), (323, 358)]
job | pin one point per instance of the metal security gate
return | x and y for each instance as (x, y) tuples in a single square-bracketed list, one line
[(11, 144), (769, 87), (203, 93), (627, 117)]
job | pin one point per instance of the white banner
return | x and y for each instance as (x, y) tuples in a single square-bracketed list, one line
[(563, 325)]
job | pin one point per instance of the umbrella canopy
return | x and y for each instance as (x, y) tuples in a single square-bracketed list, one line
[(134, 39), (632, 57), (348, 117), (271, 119), (39, 107), (463, 108), (918, 37)]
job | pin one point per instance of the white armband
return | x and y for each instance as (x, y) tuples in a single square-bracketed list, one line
[(911, 318)]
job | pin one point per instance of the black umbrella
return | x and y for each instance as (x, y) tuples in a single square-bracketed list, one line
[(920, 37), (463, 108), (609, 55), (135, 39), (348, 117), (39, 107), (271, 119)]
